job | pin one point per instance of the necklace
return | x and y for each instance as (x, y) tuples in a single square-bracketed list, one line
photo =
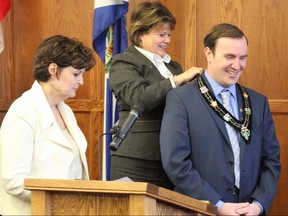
[(57, 115), (244, 126)]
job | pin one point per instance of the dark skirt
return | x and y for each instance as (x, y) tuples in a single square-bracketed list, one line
[(140, 171)]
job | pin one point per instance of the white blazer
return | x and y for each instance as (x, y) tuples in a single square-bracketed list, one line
[(33, 146)]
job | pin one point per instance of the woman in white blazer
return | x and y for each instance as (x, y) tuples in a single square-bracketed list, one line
[(39, 136)]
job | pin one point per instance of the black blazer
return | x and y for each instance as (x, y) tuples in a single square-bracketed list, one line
[(135, 79)]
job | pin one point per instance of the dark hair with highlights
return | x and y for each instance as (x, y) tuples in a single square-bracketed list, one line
[(62, 51), (147, 16)]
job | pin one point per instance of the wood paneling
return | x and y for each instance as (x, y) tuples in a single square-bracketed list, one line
[(265, 22)]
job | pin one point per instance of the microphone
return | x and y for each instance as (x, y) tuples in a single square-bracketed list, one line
[(136, 110)]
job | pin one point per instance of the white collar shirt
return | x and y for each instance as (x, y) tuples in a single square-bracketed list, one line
[(158, 61)]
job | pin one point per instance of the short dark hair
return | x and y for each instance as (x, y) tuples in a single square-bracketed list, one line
[(145, 17), (220, 31), (62, 51)]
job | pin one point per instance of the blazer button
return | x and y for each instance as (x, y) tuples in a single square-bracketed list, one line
[(229, 190), (235, 192), (231, 163)]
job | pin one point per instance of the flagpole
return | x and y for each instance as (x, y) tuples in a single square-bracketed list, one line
[(109, 39)]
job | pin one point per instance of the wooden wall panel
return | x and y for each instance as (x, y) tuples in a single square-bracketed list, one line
[(263, 21), (6, 68), (34, 21)]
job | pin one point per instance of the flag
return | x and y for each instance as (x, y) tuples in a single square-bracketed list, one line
[(5, 6), (109, 39)]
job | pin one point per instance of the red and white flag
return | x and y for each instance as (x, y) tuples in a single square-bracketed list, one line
[(5, 6)]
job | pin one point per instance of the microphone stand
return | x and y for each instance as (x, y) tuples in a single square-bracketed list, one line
[(115, 130)]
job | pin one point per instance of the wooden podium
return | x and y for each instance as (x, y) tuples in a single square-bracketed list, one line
[(84, 197)]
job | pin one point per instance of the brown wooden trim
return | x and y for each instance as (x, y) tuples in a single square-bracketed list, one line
[(276, 106), (81, 105), (279, 106), (76, 105)]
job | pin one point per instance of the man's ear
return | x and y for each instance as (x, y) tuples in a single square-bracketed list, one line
[(52, 68), (208, 54)]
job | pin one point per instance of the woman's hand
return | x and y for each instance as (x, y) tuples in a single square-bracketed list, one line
[(187, 76)]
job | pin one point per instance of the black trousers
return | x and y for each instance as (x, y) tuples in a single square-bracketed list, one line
[(139, 170)]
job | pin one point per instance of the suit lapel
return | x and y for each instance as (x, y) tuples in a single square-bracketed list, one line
[(153, 70), (46, 118), (70, 123), (242, 142), (57, 136), (219, 121), (76, 134), (171, 69)]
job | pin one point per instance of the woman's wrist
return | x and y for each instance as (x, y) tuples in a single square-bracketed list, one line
[(176, 80)]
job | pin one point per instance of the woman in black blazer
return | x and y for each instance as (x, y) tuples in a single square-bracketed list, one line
[(144, 74)]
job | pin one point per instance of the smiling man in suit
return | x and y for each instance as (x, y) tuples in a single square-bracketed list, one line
[(198, 151)]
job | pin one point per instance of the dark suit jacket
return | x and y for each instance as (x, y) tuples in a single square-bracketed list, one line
[(197, 155), (135, 79)]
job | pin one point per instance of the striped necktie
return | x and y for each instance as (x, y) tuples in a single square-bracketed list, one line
[(233, 136)]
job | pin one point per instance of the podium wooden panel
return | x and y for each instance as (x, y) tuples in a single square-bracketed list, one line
[(84, 197)]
